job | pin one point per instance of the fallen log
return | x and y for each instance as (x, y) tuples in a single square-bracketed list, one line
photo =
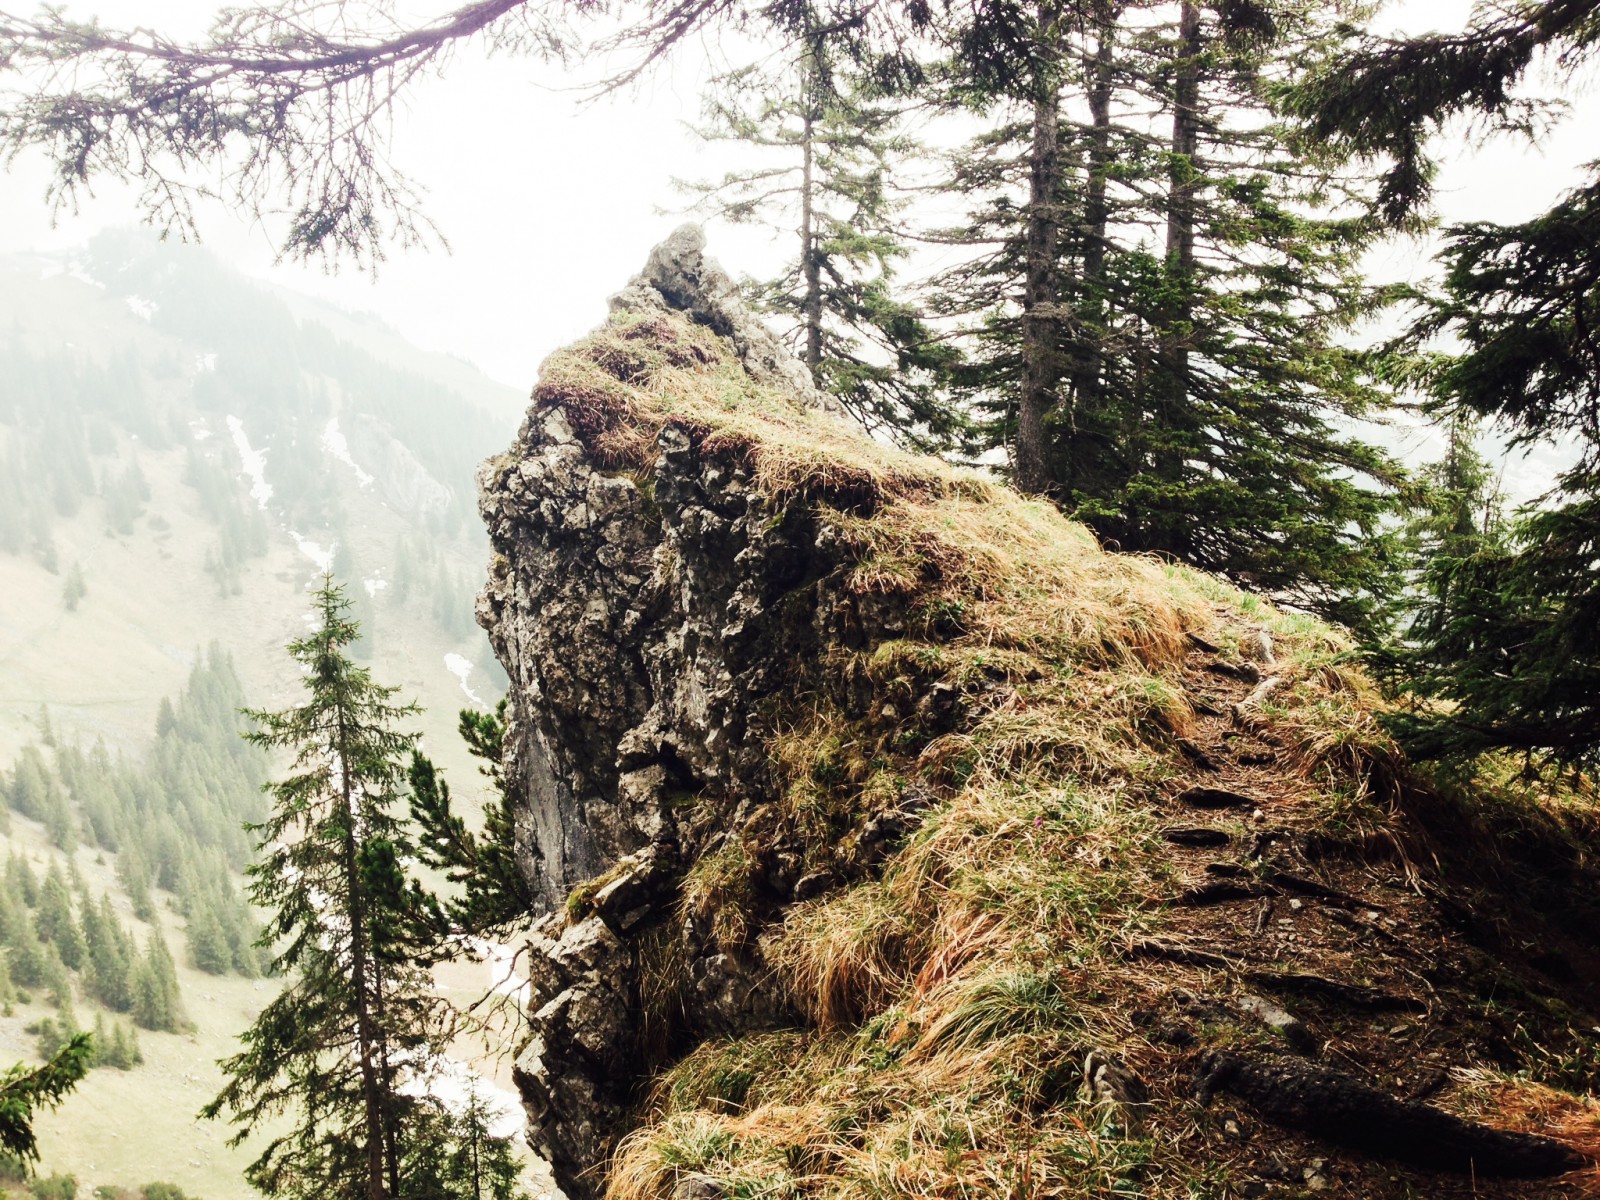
[(1337, 1107)]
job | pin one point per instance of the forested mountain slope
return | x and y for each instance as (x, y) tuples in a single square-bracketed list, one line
[(183, 451), (899, 840), (184, 447)]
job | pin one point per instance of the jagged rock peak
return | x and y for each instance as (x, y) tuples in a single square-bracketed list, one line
[(679, 276)]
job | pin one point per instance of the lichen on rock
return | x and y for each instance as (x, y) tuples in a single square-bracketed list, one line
[(851, 783)]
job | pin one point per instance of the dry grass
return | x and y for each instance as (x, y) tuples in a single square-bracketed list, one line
[(949, 993), (718, 889), (620, 386), (1515, 1103), (843, 958)]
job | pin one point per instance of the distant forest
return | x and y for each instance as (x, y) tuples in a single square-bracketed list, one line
[(174, 821)]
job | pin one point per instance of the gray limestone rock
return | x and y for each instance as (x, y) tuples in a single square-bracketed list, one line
[(644, 619)]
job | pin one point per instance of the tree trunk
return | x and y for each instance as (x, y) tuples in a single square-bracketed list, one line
[(391, 1134), (1182, 185), (810, 259), (1088, 352), (365, 1033), (1040, 316)]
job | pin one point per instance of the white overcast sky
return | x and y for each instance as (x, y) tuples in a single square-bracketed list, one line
[(550, 204)]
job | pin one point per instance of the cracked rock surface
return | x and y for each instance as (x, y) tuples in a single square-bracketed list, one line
[(642, 618)]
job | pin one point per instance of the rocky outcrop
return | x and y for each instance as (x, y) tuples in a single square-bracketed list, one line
[(644, 616), (752, 653)]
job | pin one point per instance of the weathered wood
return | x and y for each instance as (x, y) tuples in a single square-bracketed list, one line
[(1336, 1106)]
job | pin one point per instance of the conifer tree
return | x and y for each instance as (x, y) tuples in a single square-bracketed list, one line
[(26, 1090), (493, 891), (1159, 294), (156, 1004), (73, 588), (1515, 646), (54, 920), (109, 953), (324, 1056), (462, 1159), (826, 141)]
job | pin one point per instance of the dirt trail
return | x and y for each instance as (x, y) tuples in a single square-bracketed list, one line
[(1334, 953)]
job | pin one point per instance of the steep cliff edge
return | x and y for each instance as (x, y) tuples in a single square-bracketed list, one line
[(898, 840)]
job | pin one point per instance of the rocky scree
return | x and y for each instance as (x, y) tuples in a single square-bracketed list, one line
[(895, 837)]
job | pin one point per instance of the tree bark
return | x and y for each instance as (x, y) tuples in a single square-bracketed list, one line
[(356, 914), (810, 259), (1040, 318), (1088, 351), (1173, 348)]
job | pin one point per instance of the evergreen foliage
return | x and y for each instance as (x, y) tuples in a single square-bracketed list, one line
[(458, 1156), (491, 890), (1512, 643), (173, 821), (24, 1091), (324, 1060), (829, 141), (73, 588), (1186, 393), (154, 984)]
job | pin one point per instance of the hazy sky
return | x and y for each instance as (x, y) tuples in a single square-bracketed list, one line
[(550, 204)]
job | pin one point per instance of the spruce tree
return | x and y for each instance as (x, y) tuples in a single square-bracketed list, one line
[(156, 1004), (54, 920), (825, 141), (492, 889), (1514, 650), (1159, 295), (73, 589), (461, 1158), (109, 975), (26, 1090), (322, 1061)]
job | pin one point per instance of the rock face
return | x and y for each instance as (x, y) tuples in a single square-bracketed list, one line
[(643, 617)]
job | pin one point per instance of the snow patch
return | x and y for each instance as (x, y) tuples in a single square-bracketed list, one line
[(374, 586), (204, 363), (200, 432), (140, 307), (461, 668), (335, 443), (455, 1085), (255, 463), (320, 555)]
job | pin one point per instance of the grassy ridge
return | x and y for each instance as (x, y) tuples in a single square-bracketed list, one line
[(1043, 712)]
